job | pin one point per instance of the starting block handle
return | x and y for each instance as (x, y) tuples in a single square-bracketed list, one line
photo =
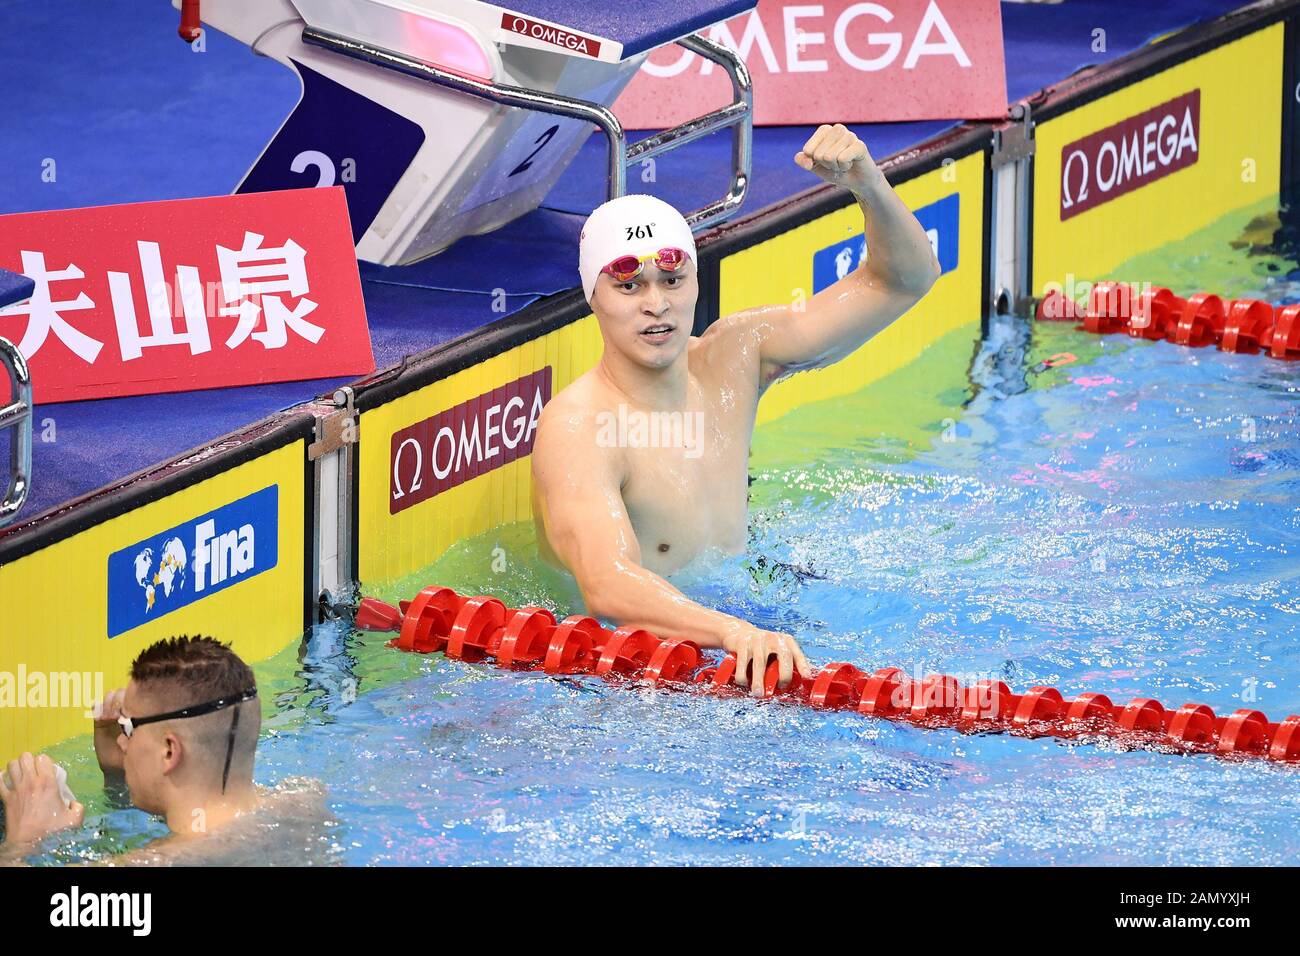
[(18, 416), (738, 114), (553, 103)]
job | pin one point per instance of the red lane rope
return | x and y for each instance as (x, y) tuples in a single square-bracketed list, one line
[(529, 638), (1232, 325)]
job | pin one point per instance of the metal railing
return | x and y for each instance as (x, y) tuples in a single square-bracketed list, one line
[(18, 416), (738, 115)]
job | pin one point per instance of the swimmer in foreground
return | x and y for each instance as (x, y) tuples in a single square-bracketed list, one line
[(183, 737), (621, 510)]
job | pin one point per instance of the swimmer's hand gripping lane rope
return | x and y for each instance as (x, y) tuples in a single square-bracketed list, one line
[(529, 638), (1200, 320)]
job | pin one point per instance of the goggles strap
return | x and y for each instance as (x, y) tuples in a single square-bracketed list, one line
[(230, 746)]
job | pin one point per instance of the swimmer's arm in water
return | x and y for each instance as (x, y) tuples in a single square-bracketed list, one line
[(586, 523), (900, 268), (34, 806), (34, 802)]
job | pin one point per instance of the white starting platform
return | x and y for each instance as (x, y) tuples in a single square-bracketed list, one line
[(447, 118)]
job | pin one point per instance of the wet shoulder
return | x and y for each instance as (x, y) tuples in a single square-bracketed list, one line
[(729, 351), (291, 826), (576, 410)]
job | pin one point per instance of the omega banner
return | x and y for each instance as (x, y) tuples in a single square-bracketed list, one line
[(1129, 154), (836, 62), (465, 441)]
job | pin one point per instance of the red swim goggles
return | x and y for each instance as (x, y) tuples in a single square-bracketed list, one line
[(627, 268)]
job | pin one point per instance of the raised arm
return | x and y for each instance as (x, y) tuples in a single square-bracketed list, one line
[(107, 752), (579, 493), (900, 268)]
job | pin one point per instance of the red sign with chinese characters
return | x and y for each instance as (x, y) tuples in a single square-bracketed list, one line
[(838, 61), (468, 440), (187, 294)]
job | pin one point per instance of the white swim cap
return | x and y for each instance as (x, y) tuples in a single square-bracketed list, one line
[(630, 225)]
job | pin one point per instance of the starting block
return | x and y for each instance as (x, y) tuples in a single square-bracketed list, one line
[(447, 118)]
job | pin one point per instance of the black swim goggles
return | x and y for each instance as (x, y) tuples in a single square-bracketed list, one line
[(129, 724)]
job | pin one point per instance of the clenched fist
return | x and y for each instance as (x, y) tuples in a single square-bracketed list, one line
[(838, 156)]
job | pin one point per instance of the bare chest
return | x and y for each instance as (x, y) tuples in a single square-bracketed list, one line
[(687, 486)]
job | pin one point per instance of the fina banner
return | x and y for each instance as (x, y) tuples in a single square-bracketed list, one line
[(203, 556), (836, 62), (145, 298)]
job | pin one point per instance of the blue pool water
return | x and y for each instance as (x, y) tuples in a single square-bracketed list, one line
[(1125, 523), (1120, 530)]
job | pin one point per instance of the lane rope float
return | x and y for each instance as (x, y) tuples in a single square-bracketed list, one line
[(1246, 326), (482, 628)]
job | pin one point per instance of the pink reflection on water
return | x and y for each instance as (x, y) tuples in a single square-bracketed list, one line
[(1092, 476)]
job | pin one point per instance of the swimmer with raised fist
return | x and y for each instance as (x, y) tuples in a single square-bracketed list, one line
[(622, 511)]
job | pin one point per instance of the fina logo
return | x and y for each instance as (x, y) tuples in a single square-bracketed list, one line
[(169, 575), (221, 555), (940, 220), (193, 560)]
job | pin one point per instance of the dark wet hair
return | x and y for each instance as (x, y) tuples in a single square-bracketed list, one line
[(197, 669), (190, 671)]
